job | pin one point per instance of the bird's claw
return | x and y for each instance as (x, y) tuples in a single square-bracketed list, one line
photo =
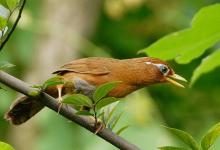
[(59, 88), (99, 126), (59, 104)]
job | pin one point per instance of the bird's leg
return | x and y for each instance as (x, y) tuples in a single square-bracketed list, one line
[(59, 89), (99, 126)]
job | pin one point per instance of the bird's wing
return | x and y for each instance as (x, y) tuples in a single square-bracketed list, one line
[(84, 66)]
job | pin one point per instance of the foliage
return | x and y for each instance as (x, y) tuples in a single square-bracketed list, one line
[(4, 65), (12, 4), (103, 90), (95, 105), (208, 64), (4, 146), (188, 44), (52, 82), (207, 141), (184, 137), (7, 8)]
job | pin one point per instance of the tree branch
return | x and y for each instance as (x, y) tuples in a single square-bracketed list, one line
[(14, 25), (66, 111)]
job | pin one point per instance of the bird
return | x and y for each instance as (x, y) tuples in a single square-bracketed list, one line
[(86, 74)]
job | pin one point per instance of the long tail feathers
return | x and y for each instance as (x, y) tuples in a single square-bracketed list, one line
[(23, 109)]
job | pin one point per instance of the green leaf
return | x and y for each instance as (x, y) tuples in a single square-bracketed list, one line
[(188, 44), (171, 148), (3, 23), (122, 129), (109, 115), (3, 3), (78, 100), (57, 80), (34, 93), (101, 114), (104, 89), (208, 64), (4, 146), (209, 139), (84, 113), (115, 120), (37, 86), (5, 65), (184, 137), (12, 4), (105, 101)]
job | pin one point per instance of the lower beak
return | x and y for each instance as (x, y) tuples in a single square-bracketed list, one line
[(176, 77)]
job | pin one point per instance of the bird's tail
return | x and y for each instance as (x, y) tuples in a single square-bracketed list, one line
[(25, 107)]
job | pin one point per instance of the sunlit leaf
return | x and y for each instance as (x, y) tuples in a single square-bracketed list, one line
[(171, 148), (57, 80), (4, 146), (115, 120), (104, 89), (122, 129), (189, 43), (5, 65), (106, 101), (3, 23), (3, 3), (38, 86), (184, 137), (34, 93), (12, 4), (208, 64), (101, 114), (209, 139), (109, 115), (78, 100)]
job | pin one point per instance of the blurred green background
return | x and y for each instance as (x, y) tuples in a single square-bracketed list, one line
[(54, 32)]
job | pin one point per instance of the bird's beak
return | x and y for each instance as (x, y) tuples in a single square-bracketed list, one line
[(170, 78)]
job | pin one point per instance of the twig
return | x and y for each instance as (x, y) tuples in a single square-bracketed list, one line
[(14, 25), (67, 112)]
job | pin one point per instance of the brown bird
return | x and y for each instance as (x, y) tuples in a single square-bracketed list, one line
[(84, 75)]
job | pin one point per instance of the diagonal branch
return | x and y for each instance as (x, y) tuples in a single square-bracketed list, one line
[(14, 25), (66, 111)]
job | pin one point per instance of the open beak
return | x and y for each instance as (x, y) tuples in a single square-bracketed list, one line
[(176, 77)]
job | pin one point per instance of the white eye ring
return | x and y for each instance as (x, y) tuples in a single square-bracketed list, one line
[(163, 68)]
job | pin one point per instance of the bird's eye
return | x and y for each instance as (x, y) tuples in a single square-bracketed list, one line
[(163, 69)]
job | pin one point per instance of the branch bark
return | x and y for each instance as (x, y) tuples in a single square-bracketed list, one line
[(66, 111)]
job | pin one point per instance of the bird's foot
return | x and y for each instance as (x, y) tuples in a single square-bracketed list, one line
[(59, 88), (60, 104), (99, 126)]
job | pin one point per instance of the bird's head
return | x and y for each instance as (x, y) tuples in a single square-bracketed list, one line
[(163, 72)]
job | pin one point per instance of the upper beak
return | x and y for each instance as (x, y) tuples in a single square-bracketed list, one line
[(176, 77)]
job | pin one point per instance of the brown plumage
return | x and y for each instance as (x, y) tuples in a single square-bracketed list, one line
[(88, 73)]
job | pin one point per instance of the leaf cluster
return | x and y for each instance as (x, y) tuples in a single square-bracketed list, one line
[(185, 45), (7, 7), (96, 104), (207, 141)]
